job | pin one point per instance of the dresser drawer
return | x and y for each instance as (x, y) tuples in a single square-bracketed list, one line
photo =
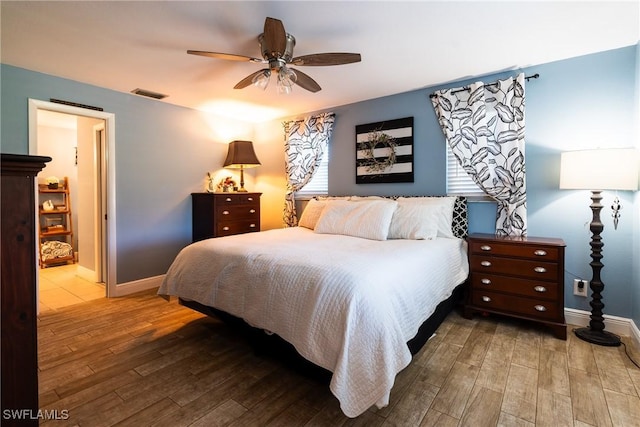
[(227, 228), (523, 306), (541, 252), (517, 267), (237, 212), (236, 199), (514, 285)]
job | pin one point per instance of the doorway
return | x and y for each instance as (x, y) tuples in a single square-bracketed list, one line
[(93, 166)]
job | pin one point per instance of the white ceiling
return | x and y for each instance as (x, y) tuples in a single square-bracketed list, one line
[(404, 45)]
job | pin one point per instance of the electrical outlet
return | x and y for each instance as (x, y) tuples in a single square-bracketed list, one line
[(580, 287)]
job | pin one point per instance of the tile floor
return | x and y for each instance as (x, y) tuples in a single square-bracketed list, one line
[(60, 287)]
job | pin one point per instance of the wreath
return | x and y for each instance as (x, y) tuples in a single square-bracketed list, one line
[(378, 140)]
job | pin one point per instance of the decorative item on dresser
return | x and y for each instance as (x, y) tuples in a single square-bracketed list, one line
[(518, 276), (224, 214), (19, 329)]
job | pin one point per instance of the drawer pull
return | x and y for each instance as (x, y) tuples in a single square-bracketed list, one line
[(252, 211), (485, 281), (225, 228), (225, 212), (252, 226), (540, 308), (228, 199), (250, 199), (540, 289), (485, 247), (485, 264), (540, 270), (540, 252), (486, 299)]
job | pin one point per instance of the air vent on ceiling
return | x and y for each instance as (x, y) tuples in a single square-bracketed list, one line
[(149, 94)]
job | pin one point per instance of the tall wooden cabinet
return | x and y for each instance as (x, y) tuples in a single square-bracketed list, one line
[(18, 275)]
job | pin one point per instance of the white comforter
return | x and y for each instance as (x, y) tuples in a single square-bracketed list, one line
[(347, 304)]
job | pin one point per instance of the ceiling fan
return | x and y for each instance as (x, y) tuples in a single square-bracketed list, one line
[(277, 50)]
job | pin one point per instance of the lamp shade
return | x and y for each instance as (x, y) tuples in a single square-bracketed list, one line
[(241, 155), (599, 169)]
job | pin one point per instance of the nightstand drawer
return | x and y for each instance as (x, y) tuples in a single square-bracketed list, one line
[(236, 212), (541, 252), (227, 228), (517, 267), (516, 286), (522, 306), (236, 199)]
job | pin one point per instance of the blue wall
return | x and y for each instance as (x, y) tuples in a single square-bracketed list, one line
[(583, 102), (162, 154), (635, 283)]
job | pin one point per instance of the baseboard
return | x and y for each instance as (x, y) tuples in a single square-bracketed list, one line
[(138, 285), (617, 325)]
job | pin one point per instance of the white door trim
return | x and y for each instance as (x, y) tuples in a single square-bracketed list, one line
[(109, 246)]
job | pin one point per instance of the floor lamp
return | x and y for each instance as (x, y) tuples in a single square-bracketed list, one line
[(597, 170)]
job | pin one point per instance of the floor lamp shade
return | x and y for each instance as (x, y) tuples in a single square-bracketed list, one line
[(600, 169), (241, 155), (597, 170)]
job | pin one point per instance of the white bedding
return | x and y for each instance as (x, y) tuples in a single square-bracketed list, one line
[(347, 304)]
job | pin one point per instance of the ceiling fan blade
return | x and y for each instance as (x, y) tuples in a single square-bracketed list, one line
[(227, 56), (319, 59), (306, 82), (247, 81), (274, 37)]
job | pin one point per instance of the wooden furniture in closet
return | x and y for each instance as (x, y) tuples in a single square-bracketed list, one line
[(19, 298), (224, 214), (56, 222), (518, 276)]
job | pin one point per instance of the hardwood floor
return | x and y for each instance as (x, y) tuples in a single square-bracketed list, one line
[(140, 360)]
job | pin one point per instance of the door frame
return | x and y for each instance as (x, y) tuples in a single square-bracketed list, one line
[(108, 179)]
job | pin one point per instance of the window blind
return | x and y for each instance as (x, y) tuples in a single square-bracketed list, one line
[(458, 181), (319, 184)]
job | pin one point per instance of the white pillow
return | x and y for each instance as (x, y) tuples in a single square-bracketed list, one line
[(441, 208), (369, 220), (415, 221), (311, 213)]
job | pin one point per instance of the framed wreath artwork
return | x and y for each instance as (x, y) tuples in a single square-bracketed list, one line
[(384, 152)]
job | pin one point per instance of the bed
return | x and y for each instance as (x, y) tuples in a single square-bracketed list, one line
[(351, 288)]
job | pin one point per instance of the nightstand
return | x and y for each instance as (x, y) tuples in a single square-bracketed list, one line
[(521, 277), (224, 214)]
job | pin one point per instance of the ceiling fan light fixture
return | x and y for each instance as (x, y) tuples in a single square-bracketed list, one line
[(276, 46), (261, 80), (286, 79)]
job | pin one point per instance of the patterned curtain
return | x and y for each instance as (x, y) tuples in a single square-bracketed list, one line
[(306, 141), (484, 126)]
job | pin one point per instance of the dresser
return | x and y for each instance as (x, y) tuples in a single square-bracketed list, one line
[(521, 277), (18, 282), (224, 214)]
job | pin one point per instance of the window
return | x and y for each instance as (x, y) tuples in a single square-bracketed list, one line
[(319, 184), (458, 181)]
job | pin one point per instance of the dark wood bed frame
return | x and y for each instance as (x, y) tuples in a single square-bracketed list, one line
[(273, 346)]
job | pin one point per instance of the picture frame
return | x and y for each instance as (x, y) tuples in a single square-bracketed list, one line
[(384, 152)]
